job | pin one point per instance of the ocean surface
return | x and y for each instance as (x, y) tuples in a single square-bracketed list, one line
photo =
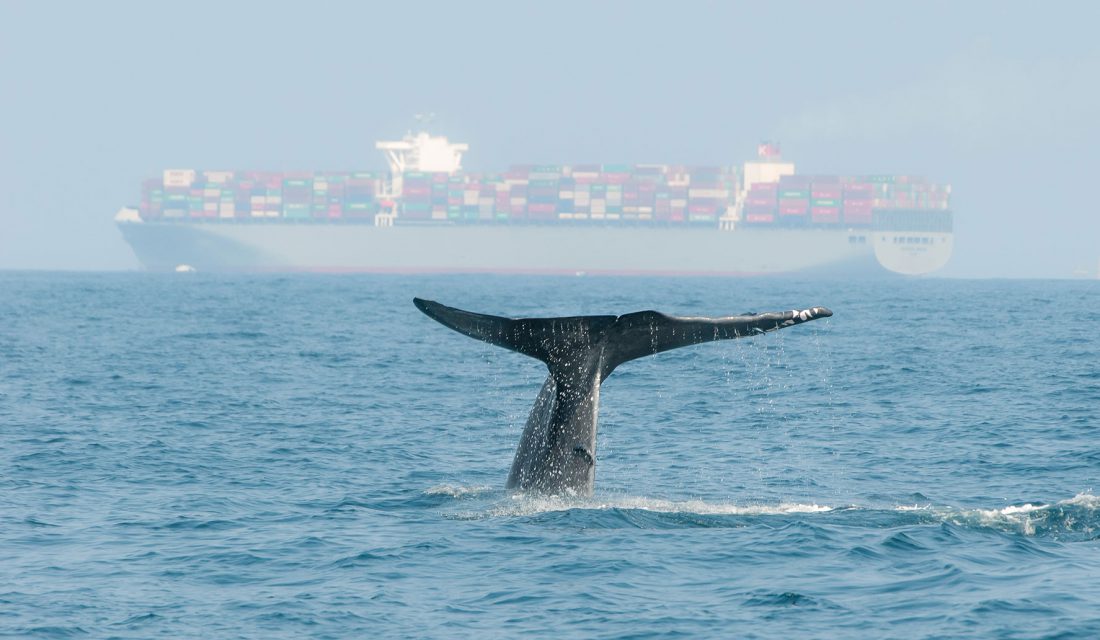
[(191, 455)]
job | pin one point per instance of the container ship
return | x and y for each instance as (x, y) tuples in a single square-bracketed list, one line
[(427, 215)]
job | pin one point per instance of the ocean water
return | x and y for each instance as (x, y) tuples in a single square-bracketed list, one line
[(282, 457)]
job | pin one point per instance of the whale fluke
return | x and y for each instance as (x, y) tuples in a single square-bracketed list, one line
[(557, 451)]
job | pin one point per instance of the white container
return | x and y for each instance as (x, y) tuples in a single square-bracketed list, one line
[(708, 193), (217, 177), (179, 177)]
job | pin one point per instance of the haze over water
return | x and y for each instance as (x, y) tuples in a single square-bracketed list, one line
[(994, 98), (195, 455)]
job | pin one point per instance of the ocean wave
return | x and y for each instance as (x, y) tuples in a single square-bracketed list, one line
[(1077, 518)]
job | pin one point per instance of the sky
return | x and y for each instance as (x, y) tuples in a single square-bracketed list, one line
[(999, 99)]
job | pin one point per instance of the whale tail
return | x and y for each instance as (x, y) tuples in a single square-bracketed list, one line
[(557, 341)]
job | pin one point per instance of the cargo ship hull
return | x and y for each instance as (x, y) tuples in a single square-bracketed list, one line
[(529, 248)]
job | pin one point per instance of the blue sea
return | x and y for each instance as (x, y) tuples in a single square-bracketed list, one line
[(193, 455)]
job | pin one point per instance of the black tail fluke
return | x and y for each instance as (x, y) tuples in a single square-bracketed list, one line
[(649, 332), (559, 341), (551, 340)]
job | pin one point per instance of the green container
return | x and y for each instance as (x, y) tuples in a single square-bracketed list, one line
[(543, 183), (617, 168), (824, 202), (794, 194)]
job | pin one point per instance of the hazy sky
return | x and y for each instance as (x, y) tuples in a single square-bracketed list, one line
[(999, 99)]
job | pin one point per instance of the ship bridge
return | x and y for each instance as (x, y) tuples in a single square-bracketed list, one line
[(421, 152)]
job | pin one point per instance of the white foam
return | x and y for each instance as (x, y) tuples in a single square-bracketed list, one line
[(521, 505), (456, 491), (1086, 499), (1021, 517)]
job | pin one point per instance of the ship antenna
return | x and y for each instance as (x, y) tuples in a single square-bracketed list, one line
[(424, 119)]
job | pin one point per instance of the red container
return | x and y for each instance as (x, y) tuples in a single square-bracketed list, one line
[(825, 192), (756, 201), (825, 215), (759, 218), (797, 208)]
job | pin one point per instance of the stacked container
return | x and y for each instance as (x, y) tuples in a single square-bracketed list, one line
[(857, 203), (297, 196), (607, 194), (825, 197), (359, 196), (794, 200), (762, 203)]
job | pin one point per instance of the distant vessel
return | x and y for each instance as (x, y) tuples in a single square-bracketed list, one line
[(427, 215)]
